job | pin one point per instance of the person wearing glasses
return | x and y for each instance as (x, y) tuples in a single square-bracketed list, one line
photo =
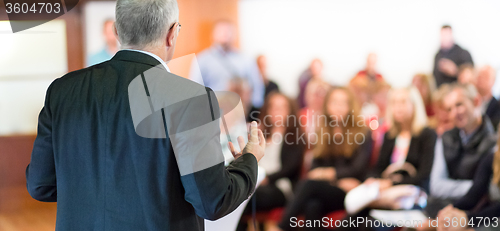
[(104, 168)]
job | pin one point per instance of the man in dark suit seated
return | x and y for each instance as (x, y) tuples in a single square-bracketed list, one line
[(115, 155)]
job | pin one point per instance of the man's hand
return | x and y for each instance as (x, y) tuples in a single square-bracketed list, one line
[(449, 213), (256, 143), (448, 67)]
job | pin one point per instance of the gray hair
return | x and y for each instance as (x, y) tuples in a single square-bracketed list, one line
[(469, 90), (144, 23)]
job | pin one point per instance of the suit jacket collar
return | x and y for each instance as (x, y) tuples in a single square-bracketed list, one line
[(137, 57)]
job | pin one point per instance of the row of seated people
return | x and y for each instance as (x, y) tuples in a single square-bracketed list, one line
[(344, 149)]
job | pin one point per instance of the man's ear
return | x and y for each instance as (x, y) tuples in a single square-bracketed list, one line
[(116, 31), (171, 35)]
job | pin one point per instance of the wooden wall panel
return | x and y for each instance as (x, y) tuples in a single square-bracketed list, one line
[(74, 36), (15, 154), (197, 18)]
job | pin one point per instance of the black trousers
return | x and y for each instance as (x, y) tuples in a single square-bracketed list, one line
[(266, 197), (313, 199)]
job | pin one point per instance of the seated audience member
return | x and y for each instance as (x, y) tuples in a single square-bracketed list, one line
[(379, 97), (270, 85), (341, 159), (284, 152), (314, 71), (370, 72), (244, 90), (423, 83), (441, 121), (466, 74), (406, 155), (460, 150), (486, 183), (364, 86), (484, 83), (315, 96), (408, 148), (377, 122)]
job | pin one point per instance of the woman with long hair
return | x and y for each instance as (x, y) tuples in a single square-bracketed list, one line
[(407, 152), (341, 157), (280, 126), (405, 159), (284, 154)]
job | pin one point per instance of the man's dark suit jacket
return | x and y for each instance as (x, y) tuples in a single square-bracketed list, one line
[(88, 157)]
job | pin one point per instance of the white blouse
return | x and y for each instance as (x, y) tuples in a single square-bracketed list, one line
[(271, 162)]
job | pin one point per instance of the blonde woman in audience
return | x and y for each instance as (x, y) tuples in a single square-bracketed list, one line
[(405, 159), (408, 149)]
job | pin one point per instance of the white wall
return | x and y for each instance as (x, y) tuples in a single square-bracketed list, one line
[(34, 53), (20, 104), (405, 34), (29, 61)]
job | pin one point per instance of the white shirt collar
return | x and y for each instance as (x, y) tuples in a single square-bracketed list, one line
[(151, 54)]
